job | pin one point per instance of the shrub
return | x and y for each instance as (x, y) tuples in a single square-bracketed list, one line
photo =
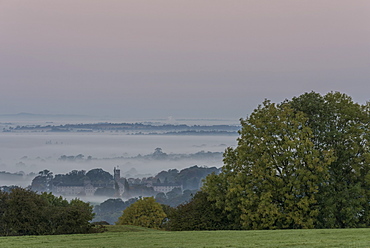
[(145, 212)]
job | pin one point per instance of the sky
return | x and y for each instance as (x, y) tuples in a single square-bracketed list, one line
[(179, 58)]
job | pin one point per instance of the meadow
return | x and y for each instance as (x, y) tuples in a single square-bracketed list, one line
[(128, 236)]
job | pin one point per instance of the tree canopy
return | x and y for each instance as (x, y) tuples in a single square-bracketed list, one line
[(302, 163), (145, 212), (197, 214), (24, 212)]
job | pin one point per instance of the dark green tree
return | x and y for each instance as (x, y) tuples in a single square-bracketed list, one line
[(24, 212), (342, 126), (75, 218), (3, 207), (198, 214)]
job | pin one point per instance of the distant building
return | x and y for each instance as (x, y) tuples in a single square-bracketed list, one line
[(166, 187), (90, 189), (116, 174), (68, 190), (120, 181), (86, 189)]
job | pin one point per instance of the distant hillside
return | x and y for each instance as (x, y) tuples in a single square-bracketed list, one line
[(132, 128)]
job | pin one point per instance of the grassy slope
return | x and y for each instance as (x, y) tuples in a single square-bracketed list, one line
[(125, 236)]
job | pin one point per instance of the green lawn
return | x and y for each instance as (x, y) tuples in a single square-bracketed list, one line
[(125, 236)]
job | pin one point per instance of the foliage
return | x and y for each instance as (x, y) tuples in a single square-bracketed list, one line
[(302, 163), (99, 176), (341, 126), (74, 177), (170, 175), (145, 212), (23, 212), (198, 214), (190, 177), (42, 182), (175, 197), (111, 209)]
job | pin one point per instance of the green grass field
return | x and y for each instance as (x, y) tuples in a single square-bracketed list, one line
[(127, 236)]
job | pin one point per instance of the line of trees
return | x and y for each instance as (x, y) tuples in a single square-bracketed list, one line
[(24, 212)]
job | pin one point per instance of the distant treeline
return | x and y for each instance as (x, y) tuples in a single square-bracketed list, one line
[(158, 154), (135, 128), (7, 175), (193, 132)]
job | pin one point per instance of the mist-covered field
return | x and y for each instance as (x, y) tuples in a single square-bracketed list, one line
[(32, 152)]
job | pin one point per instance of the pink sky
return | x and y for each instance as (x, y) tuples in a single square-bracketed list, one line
[(204, 58)]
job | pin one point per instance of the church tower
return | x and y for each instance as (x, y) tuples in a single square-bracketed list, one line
[(117, 173)]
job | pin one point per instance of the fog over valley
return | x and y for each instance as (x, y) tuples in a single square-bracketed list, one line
[(61, 152)]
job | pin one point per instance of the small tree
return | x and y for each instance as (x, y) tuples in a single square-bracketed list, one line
[(145, 212)]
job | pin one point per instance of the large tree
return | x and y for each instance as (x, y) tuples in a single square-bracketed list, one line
[(302, 163), (342, 126)]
